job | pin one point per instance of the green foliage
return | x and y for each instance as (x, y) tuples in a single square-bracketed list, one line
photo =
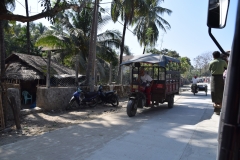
[(149, 21), (185, 61), (185, 64), (165, 51), (16, 40)]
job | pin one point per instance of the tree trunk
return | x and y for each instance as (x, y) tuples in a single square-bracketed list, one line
[(2, 51), (144, 50), (122, 47), (2, 71)]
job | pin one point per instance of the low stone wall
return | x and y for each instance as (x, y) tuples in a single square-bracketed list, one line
[(16, 94), (57, 98), (13, 92), (54, 98)]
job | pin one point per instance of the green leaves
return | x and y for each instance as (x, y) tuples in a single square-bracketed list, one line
[(148, 22)]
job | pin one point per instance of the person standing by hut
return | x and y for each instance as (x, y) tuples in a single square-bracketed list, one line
[(217, 67)]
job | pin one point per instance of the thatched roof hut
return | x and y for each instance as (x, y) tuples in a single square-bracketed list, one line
[(28, 67)]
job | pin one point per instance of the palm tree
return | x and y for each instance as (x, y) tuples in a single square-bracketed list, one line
[(148, 22), (41, 28), (71, 45), (36, 30), (76, 37), (126, 10)]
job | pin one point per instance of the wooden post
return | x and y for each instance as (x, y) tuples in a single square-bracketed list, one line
[(110, 73), (48, 69), (76, 69)]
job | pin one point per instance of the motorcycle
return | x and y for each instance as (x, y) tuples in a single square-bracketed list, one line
[(194, 88), (109, 97), (84, 98)]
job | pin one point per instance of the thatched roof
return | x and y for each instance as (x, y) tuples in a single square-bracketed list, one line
[(29, 67), (17, 71)]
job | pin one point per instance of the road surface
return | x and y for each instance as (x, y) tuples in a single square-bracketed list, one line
[(188, 131)]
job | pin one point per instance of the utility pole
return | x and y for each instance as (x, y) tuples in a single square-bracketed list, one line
[(28, 33), (92, 48)]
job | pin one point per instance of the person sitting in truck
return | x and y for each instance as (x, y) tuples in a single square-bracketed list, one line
[(144, 77), (147, 82)]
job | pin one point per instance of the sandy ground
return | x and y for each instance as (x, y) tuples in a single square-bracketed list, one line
[(35, 124)]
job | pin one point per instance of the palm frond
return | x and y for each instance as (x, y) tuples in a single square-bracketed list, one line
[(51, 41)]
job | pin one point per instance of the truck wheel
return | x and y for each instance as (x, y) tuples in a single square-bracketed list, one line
[(171, 101), (131, 108)]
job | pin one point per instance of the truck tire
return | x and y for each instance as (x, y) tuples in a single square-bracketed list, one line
[(131, 108), (171, 101)]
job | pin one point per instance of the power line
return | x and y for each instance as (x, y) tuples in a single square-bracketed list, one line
[(21, 4), (117, 20)]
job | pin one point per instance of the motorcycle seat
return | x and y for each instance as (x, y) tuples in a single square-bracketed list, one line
[(90, 94), (109, 92)]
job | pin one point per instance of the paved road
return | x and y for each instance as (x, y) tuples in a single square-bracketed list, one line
[(187, 132)]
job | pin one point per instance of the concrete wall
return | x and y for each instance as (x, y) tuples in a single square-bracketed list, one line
[(57, 98)]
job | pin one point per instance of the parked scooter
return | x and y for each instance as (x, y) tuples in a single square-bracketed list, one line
[(84, 98), (109, 97)]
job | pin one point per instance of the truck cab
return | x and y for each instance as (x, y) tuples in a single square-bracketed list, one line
[(229, 127)]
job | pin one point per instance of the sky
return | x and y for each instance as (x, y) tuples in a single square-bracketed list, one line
[(188, 35)]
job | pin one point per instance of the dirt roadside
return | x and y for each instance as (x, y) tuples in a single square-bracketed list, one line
[(35, 124)]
